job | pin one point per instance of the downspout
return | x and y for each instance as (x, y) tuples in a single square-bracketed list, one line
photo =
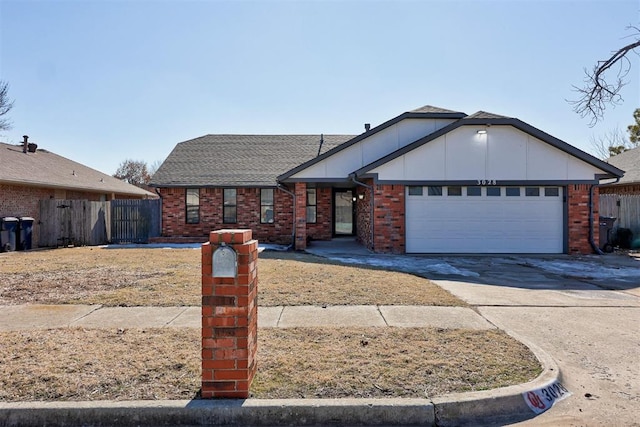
[(293, 225), (371, 205), (595, 247)]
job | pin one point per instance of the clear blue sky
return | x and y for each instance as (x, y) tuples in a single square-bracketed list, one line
[(103, 81)]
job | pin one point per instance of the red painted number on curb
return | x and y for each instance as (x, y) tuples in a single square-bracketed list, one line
[(535, 400)]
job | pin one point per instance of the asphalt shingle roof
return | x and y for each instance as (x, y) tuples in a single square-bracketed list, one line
[(46, 169), (628, 161), (485, 115), (433, 109), (239, 160)]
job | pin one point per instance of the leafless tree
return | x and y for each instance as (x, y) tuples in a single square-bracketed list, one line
[(600, 89), (615, 142), (134, 172), (153, 168), (5, 105), (609, 144)]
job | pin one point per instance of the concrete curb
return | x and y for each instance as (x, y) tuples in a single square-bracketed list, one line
[(251, 412), (473, 408), (494, 406)]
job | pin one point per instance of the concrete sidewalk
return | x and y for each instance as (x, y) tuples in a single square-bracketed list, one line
[(491, 407), (38, 316)]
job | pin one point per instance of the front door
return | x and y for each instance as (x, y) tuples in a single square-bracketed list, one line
[(343, 223)]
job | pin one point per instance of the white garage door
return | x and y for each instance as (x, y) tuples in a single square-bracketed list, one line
[(484, 219)]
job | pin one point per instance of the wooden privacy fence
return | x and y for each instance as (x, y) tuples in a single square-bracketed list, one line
[(81, 222), (73, 222), (134, 221), (625, 207)]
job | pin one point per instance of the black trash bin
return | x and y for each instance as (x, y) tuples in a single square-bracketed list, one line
[(606, 224), (26, 233), (9, 224)]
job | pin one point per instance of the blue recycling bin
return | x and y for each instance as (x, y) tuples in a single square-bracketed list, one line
[(9, 225), (25, 236)]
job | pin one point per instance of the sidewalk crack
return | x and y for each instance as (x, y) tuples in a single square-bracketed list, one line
[(382, 315)]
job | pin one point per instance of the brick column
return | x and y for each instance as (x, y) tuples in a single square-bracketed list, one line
[(389, 219), (229, 318), (578, 212), (301, 215)]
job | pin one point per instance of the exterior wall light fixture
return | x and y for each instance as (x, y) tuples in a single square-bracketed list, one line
[(482, 132)]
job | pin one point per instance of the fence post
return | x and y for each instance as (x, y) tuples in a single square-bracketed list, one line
[(229, 314)]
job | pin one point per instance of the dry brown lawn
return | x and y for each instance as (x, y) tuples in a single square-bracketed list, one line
[(171, 277), (92, 364)]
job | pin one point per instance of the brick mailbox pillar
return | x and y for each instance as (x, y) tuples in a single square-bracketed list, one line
[(229, 313)]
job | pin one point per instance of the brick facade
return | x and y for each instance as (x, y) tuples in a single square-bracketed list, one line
[(301, 215), (578, 218), (389, 219), (363, 215), (322, 229), (388, 216), (211, 214)]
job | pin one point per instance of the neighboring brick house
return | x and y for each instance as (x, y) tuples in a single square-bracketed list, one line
[(430, 180), (29, 174)]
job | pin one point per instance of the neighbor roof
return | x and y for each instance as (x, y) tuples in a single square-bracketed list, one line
[(628, 161), (239, 160), (46, 169)]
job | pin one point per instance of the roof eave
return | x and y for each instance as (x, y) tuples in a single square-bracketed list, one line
[(74, 188)]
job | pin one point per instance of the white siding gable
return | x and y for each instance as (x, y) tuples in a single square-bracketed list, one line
[(504, 153), (370, 149)]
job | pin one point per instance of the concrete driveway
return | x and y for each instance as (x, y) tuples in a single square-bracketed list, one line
[(589, 325), (584, 311)]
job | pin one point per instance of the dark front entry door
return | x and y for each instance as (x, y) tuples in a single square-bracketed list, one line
[(343, 217)]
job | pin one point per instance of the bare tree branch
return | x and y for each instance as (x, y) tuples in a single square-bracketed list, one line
[(599, 89), (609, 144), (5, 105)]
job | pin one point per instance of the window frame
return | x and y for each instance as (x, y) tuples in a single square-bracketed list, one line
[(415, 190), (434, 190), (548, 192), (456, 189), (312, 205), (532, 191), (227, 205), (492, 189), (265, 204), (511, 192), (474, 188), (191, 208)]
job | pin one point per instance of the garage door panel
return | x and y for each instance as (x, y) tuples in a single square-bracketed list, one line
[(484, 224)]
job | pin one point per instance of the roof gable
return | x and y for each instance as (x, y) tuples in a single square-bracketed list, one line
[(488, 119), (425, 112), (46, 169)]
